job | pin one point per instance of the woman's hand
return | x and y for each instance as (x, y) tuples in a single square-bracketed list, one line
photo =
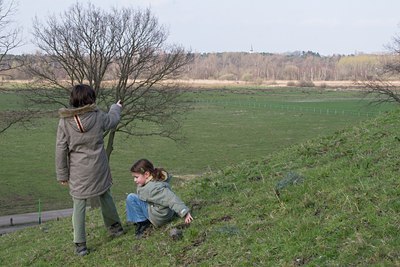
[(188, 218)]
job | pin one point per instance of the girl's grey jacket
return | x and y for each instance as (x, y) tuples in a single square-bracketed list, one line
[(80, 155), (162, 202)]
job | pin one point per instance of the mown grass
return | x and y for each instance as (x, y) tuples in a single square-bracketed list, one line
[(217, 134), (343, 209)]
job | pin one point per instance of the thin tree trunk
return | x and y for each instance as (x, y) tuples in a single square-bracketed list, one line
[(95, 201), (110, 144)]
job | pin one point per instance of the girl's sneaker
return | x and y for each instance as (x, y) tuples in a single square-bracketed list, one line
[(141, 228), (81, 249)]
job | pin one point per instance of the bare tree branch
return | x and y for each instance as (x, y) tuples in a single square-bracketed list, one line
[(10, 118)]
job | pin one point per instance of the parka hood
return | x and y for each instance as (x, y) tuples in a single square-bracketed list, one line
[(166, 178), (81, 119), (70, 112)]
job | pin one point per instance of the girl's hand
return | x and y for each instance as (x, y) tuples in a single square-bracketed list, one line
[(64, 183), (188, 218), (119, 103)]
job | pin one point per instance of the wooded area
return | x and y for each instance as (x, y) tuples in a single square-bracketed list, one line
[(296, 66), (255, 67)]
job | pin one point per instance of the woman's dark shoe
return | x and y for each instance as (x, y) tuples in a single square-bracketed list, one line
[(81, 249), (116, 230), (141, 227)]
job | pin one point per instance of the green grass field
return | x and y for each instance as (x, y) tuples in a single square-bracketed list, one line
[(225, 127), (332, 200)]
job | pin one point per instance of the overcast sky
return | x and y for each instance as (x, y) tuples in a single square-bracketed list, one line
[(328, 27)]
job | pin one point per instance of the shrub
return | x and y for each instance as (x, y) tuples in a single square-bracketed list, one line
[(323, 85), (304, 83), (248, 77), (259, 81), (228, 77)]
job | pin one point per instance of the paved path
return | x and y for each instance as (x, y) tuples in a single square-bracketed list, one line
[(11, 223)]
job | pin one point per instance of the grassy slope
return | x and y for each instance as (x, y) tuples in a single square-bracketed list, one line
[(221, 133), (345, 212)]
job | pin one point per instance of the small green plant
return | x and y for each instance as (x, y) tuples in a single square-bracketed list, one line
[(291, 178)]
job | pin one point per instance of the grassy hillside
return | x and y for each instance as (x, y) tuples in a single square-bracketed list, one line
[(331, 201), (224, 127)]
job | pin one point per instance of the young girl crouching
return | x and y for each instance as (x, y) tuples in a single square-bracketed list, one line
[(155, 203)]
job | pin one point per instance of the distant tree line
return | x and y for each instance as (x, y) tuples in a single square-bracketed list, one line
[(254, 67), (297, 66)]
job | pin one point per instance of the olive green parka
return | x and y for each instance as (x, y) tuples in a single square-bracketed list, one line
[(163, 203), (80, 155)]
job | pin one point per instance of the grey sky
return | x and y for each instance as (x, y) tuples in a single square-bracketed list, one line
[(328, 27)]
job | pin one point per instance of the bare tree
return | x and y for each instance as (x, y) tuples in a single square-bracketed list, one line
[(122, 54), (10, 38), (381, 86), (383, 90)]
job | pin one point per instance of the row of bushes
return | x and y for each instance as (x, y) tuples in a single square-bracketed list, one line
[(301, 83), (249, 78)]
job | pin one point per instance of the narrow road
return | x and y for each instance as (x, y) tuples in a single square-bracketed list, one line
[(11, 223)]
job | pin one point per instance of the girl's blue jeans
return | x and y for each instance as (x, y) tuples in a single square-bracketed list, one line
[(136, 209)]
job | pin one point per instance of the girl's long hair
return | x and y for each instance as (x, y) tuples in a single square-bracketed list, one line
[(143, 165)]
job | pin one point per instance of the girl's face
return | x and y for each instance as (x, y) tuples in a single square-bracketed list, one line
[(140, 178)]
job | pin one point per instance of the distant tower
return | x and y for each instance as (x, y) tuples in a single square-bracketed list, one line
[(251, 49)]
